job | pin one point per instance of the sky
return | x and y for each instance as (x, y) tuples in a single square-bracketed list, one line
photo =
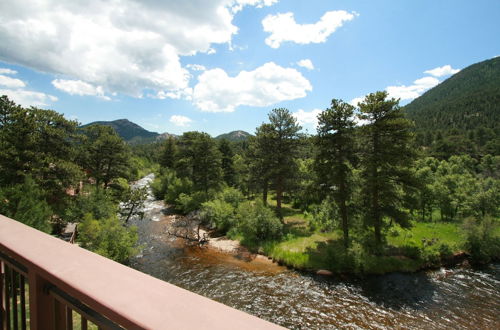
[(222, 65)]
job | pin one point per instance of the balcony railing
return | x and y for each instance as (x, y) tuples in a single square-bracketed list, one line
[(47, 283)]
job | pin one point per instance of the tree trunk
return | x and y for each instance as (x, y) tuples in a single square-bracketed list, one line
[(264, 192), (343, 213), (279, 197)]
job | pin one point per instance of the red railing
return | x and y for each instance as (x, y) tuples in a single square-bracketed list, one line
[(45, 282)]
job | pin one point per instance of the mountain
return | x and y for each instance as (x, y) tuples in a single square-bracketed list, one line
[(128, 130), (462, 112), (234, 136)]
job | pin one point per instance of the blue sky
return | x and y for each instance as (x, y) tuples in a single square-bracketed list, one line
[(221, 65)]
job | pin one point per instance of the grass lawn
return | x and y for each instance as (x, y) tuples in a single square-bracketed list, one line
[(444, 232)]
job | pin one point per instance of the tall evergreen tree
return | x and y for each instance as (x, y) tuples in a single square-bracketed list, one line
[(168, 153), (105, 155), (335, 143), (276, 150), (199, 159), (386, 160), (227, 162), (259, 155)]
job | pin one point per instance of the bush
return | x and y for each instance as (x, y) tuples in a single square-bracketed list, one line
[(231, 195), (480, 241), (324, 216), (256, 222), (26, 203), (176, 187), (108, 237), (219, 214), (188, 203)]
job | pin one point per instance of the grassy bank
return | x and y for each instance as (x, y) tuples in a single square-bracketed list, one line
[(424, 245)]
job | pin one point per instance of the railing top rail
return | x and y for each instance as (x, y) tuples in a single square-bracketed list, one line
[(126, 296)]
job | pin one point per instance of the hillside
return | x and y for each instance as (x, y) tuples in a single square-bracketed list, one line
[(234, 136), (462, 112), (128, 130)]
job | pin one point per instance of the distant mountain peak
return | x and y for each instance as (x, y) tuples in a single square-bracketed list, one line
[(238, 135), (127, 130)]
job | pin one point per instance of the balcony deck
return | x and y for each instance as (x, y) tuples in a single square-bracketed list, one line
[(60, 274)]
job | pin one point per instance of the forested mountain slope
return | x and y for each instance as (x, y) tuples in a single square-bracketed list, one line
[(126, 129), (464, 109)]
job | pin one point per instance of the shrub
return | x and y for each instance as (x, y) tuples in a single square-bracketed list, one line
[(188, 203), (256, 222), (232, 196), (480, 241), (324, 216), (218, 213), (108, 237)]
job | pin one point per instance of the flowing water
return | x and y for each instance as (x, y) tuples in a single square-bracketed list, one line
[(444, 299)]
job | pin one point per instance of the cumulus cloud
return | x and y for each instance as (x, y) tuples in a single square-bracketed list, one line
[(126, 46), (15, 89), (196, 67), (283, 27), (266, 85), (28, 98), (306, 63), (179, 120), (7, 71), (441, 71), (418, 87), (78, 87), (307, 118), (413, 91), (11, 82)]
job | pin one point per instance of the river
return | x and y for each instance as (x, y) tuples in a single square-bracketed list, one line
[(442, 299)]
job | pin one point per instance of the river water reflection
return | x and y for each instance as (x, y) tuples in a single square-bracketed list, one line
[(451, 299)]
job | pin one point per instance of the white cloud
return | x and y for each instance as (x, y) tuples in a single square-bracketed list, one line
[(284, 28), (7, 71), (413, 91), (14, 89), (196, 67), (307, 118), (266, 85), (78, 87), (11, 82), (444, 70), (306, 63), (28, 98), (181, 121), (354, 102), (126, 46)]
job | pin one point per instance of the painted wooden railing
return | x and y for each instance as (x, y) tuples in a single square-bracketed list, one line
[(47, 283)]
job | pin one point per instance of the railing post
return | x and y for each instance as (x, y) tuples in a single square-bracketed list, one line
[(40, 302)]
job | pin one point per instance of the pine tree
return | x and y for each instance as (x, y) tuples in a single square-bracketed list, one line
[(386, 160), (169, 153), (276, 150), (227, 163), (335, 142)]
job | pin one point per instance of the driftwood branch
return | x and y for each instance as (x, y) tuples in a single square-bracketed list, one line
[(188, 229)]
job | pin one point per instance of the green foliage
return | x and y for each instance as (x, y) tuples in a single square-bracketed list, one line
[(199, 159), (274, 151), (335, 144), (464, 111), (325, 216), (41, 143), (168, 153), (94, 201), (104, 155), (133, 202), (187, 203), (108, 237), (257, 223), (219, 214), (481, 241), (386, 161), (25, 202), (227, 162)]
